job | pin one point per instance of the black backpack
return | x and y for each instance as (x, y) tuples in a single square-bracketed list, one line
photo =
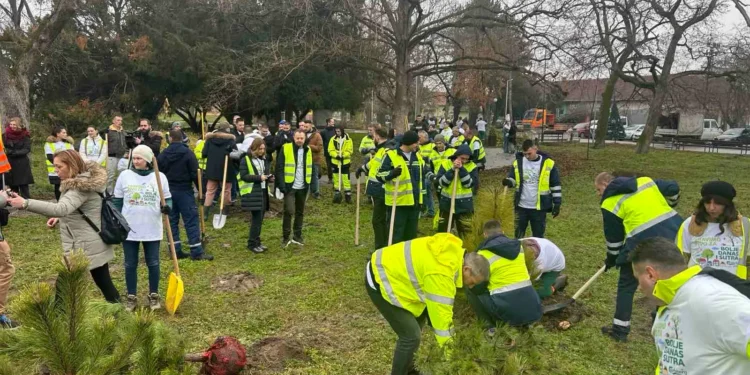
[(115, 228)]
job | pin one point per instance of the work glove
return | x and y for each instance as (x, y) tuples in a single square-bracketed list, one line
[(358, 173), (610, 261), (340, 157), (555, 210), (279, 195), (166, 210), (396, 172), (507, 182)]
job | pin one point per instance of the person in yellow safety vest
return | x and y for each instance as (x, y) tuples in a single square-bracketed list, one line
[(633, 209), (93, 147), (198, 151), (440, 153), (341, 148), (537, 180), (57, 141), (293, 178), (404, 164), (478, 155), (459, 163), (367, 146), (426, 146), (703, 323), (509, 296), (716, 235), (413, 280), (375, 188), (457, 138)]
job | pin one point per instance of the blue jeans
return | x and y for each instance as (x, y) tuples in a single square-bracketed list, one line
[(429, 202), (183, 204), (151, 252), (315, 180), (235, 186)]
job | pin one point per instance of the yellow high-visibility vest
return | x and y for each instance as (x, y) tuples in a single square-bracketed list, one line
[(544, 176), (405, 194), (290, 168)]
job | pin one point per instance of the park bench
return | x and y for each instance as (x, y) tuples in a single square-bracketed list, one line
[(559, 135)]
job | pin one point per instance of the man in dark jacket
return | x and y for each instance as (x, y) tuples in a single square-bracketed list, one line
[(220, 144), (420, 124), (283, 136), (238, 131), (293, 177), (327, 133), (633, 209), (180, 166), (375, 188), (268, 138), (117, 147), (178, 126), (147, 136), (537, 180)]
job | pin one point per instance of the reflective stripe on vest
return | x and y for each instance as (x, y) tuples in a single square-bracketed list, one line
[(544, 175), (366, 144), (246, 187), (50, 166), (461, 191), (506, 275), (374, 165), (290, 168), (641, 209), (436, 158), (198, 151), (482, 153), (405, 193), (511, 287), (425, 150)]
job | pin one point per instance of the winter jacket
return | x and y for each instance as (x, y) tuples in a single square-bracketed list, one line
[(255, 201), (218, 145), (635, 209), (80, 192), (281, 138), (93, 149), (315, 142), (467, 177), (327, 133), (341, 149), (546, 201), (117, 147), (370, 170), (152, 139), (281, 160), (268, 140), (180, 166), (20, 164), (238, 137), (416, 172), (508, 295)]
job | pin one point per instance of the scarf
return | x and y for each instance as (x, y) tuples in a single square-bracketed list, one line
[(16, 135)]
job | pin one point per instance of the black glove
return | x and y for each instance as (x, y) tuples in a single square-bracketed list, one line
[(433, 178), (358, 173), (397, 172), (610, 261), (166, 210), (555, 210), (507, 182)]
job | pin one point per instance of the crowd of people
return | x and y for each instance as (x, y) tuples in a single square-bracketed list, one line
[(696, 268)]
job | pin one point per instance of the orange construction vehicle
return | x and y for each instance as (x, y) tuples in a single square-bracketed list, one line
[(538, 117)]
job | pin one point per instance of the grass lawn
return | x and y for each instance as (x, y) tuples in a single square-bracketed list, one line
[(315, 295)]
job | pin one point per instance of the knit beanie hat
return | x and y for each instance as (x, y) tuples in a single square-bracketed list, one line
[(719, 189), (409, 138), (439, 138), (461, 150), (176, 124), (144, 152), (224, 127)]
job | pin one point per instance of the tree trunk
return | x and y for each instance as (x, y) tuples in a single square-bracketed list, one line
[(457, 105), (15, 95), (652, 121), (400, 120), (473, 114), (603, 122)]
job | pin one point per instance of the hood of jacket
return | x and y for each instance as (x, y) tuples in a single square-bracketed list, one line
[(93, 179), (52, 139), (461, 150), (501, 245), (619, 186), (220, 138), (175, 151), (152, 133)]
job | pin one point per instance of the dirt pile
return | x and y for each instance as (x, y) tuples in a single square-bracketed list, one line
[(574, 313), (241, 282), (272, 353)]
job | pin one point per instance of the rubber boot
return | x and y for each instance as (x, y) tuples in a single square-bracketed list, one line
[(207, 213), (614, 334), (560, 283), (348, 197)]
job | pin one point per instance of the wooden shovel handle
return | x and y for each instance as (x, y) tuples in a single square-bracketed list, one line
[(166, 219), (223, 184), (356, 220), (393, 212), (453, 200), (589, 282)]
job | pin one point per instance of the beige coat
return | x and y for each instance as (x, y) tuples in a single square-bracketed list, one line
[(80, 192)]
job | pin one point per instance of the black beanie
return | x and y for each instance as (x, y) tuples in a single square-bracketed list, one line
[(720, 189), (409, 138)]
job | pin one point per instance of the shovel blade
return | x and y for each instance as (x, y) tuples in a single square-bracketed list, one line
[(175, 290), (549, 309), (219, 221)]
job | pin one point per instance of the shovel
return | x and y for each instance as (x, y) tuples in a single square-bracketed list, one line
[(356, 220), (393, 213), (175, 287), (560, 306), (201, 213), (220, 219), (453, 200)]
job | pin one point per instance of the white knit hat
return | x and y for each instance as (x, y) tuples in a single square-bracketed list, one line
[(144, 152)]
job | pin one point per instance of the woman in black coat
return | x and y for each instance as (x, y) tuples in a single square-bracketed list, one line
[(17, 142), (219, 144), (254, 176)]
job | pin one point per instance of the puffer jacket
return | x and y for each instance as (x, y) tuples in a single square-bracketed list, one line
[(116, 143), (218, 145), (80, 192)]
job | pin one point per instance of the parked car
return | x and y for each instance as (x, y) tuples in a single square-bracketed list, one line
[(631, 130), (637, 134), (581, 129), (735, 134)]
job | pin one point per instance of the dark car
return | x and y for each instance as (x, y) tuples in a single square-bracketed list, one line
[(735, 134)]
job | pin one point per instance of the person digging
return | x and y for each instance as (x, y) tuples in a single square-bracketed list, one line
[(549, 262)]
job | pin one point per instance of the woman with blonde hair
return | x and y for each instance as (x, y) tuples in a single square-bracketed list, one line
[(57, 141), (81, 186), (17, 143)]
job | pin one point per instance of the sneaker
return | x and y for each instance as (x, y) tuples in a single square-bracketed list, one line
[(614, 335), (297, 240), (204, 256), (6, 323), (348, 198), (256, 249), (153, 301), (131, 303), (264, 247), (285, 242)]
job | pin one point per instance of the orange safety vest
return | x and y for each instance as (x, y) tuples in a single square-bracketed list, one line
[(4, 164)]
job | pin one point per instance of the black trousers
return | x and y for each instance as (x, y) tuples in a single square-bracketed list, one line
[(103, 281), (256, 224), (526, 216), (329, 167), (461, 222), (380, 222), (406, 223), (626, 286), (294, 204)]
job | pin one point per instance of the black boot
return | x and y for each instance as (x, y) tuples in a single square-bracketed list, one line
[(348, 197), (614, 334)]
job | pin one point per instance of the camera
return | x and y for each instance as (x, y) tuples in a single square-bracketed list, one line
[(130, 138)]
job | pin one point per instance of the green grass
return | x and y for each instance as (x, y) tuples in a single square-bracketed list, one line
[(316, 294)]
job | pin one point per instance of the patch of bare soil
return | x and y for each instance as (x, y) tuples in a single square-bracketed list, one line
[(572, 314), (272, 353), (241, 282)]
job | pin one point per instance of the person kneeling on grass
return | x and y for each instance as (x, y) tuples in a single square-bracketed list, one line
[(508, 297), (703, 323), (549, 261), (413, 280), (137, 197)]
